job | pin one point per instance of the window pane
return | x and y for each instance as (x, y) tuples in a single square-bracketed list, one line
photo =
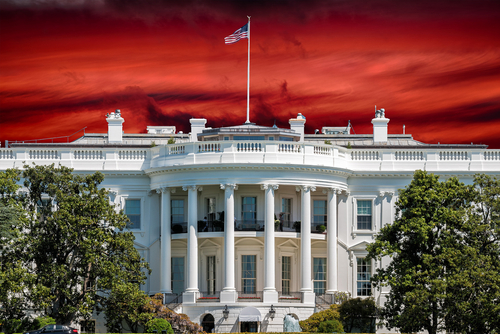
[(177, 274), (319, 275), (177, 211), (363, 277), (364, 207), (364, 216), (249, 273), (285, 274), (133, 212)]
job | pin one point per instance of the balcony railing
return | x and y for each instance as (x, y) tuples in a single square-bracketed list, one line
[(285, 226), (179, 227), (206, 296), (249, 225), (290, 297), (255, 296), (318, 227), (210, 226)]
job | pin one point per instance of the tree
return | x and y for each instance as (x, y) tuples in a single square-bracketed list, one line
[(127, 305), (358, 313), (14, 279), (159, 325), (444, 258), (73, 244)]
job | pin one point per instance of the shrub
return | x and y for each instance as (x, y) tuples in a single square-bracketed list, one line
[(159, 325), (330, 326), (359, 314), (313, 322)]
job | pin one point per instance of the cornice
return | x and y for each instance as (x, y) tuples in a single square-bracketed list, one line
[(245, 167)]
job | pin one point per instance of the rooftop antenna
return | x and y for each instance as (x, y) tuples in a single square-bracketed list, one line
[(403, 129), (274, 126)]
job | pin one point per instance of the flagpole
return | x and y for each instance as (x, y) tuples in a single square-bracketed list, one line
[(248, 75)]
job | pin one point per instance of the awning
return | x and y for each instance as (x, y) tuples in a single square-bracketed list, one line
[(249, 314)]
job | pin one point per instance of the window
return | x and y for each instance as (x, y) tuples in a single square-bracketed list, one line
[(319, 213), (177, 211), (319, 273), (211, 275), (364, 215), (211, 209), (249, 209), (286, 262), (364, 287), (249, 273), (286, 209), (177, 275), (133, 212)]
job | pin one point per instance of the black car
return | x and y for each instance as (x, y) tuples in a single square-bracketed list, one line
[(54, 329)]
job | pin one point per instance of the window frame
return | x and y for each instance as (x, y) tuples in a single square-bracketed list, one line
[(365, 281), (325, 280), (374, 213), (141, 211), (255, 278)]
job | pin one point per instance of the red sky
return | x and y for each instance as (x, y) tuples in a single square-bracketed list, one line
[(434, 65)]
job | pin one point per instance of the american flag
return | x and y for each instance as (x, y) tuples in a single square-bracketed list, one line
[(237, 35)]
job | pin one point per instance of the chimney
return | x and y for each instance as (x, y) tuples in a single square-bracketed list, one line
[(297, 125), (380, 127), (197, 126), (115, 128)]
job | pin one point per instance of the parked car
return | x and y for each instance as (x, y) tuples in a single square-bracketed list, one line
[(54, 329)]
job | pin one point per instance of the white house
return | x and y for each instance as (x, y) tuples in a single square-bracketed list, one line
[(244, 225)]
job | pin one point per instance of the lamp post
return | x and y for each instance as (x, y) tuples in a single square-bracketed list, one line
[(225, 312)]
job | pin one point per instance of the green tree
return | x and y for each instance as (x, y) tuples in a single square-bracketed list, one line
[(127, 308), (73, 244), (445, 255), (312, 323), (358, 313), (330, 326), (14, 279)]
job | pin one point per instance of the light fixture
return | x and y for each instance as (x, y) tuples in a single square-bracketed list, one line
[(272, 312), (225, 312)]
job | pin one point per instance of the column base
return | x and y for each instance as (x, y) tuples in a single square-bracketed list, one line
[(228, 296), (308, 297), (270, 296), (190, 297)]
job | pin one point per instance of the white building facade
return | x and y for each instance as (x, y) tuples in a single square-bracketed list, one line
[(244, 225)]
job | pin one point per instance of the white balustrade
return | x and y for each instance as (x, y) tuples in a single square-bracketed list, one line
[(88, 155), (409, 155), (453, 155), (43, 155), (6, 154), (365, 155), (289, 148), (132, 155), (208, 147)]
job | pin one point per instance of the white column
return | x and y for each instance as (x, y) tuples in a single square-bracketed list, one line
[(270, 294), (165, 242), (308, 296), (228, 293), (191, 293), (331, 245)]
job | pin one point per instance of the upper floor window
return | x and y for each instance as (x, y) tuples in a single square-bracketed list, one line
[(133, 212), (364, 269), (364, 214), (249, 208), (319, 213), (286, 209), (177, 211)]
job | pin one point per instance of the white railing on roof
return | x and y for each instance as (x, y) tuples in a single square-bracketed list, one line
[(44, 154), (258, 152), (132, 154), (88, 155), (409, 155), (453, 155)]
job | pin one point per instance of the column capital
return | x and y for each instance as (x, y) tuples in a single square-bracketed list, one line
[(334, 190), (268, 185), (192, 187), (232, 186), (160, 190), (386, 193), (305, 188)]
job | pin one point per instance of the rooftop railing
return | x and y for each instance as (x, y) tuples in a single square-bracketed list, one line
[(256, 152)]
